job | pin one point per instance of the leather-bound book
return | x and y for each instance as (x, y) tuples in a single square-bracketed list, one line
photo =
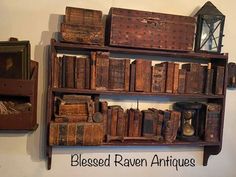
[(131, 122), (55, 72), (147, 75), (193, 83), (202, 78), (102, 70), (53, 134), (93, 70), (69, 71), (126, 117), (148, 127), (127, 74), (120, 128), (212, 124), (104, 111), (114, 117), (176, 78), (71, 118), (60, 72), (71, 134), (87, 73), (182, 79), (132, 77), (137, 127), (209, 80), (159, 78), (218, 79), (170, 66), (109, 120), (117, 69), (139, 75), (158, 118), (62, 138), (80, 64)]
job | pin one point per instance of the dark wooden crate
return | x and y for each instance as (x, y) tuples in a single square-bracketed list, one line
[(140, 29), (21, 88)]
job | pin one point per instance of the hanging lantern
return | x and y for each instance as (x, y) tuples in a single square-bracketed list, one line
[(210, 26)]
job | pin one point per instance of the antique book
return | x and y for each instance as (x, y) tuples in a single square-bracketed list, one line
[(182, 79), (93, 70), (109, 120), (126, 117), (60, 72), (202, 78), (176, 78), (137, 127), (212, 124), (127, 75), (170, 66), (74, 98), (104, 111), (55, 73), (218, 80), (209, 81), (68, 63), (139, 75), (83, 34), (102, 70), (83, 16), (73, 109), (158, 118), (147, 75), (70, 134), (132, 77), (80, 71), (120, 128), (192, 84), (118, 74), (148, 127), (71, 118), (114, 117), (87, 73), (159, 78), (131, 122)]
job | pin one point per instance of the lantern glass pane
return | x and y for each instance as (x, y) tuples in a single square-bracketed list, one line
[(210, 35)]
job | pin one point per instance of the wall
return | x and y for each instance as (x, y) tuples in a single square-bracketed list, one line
[(23, 154)]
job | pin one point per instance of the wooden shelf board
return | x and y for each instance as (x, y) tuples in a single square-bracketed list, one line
[(111, 92), (60, 46)]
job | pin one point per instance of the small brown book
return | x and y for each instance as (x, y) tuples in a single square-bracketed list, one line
[(218, 79), (176, 78), (148, 127), (139, 75), (68, 71), (159, 78), (120, 128), (132, 77), (80, 71), (147, 75), (182, 79)]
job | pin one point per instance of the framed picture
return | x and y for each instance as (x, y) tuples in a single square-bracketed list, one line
[(14, 59)]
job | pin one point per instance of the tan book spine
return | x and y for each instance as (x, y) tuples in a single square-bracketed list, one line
[(176, 78), (93, 70)]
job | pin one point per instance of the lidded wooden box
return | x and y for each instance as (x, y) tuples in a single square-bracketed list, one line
[(141, 29)]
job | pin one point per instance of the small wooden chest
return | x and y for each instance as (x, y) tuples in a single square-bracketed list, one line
[(140, 29)]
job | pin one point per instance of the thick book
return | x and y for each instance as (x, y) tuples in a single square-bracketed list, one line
[(114, 118), (149, 125), (159, 78), (212, 124), (176, 78), (158, 118), (118, 74), (120, 128), (71, 134), (132, 77), (218, 80), (102, 70), (68, 63), (80, 71), (139, 75), (147, 75), (182, 80), (170, 66)]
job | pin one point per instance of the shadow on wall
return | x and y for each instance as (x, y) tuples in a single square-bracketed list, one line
[(36, 142)]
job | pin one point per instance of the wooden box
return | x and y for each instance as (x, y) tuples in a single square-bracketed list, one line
[(26, 89), (140, 29)]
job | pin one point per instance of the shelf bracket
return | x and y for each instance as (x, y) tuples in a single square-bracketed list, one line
[(49, 157), (210, 150)]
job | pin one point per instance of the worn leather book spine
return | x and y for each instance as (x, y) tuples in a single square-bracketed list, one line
[(69, 63), (212, 124), (139, 75), (80, 72), (218, 79), (126, 117), (87, 73), (147, 75), (109, 120), (209, 81), (169, 76), (127, 75), (53, 134), (182, 79), (82, 16), (131, 122), (120, 128), (104, 111), (175, 117), (71, 134), (62, 134), (55, 72), (116, 74), (60, 72), (159, 78), (93, 134), (93, 70), (176, 78), (71, 119), (148, 124), (160, 119), (79, 134), (132, 77), (137, 123), (202, 79), (114, 114), (102, 70)]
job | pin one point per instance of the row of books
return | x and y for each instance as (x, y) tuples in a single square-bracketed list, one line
[(101, 72)]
